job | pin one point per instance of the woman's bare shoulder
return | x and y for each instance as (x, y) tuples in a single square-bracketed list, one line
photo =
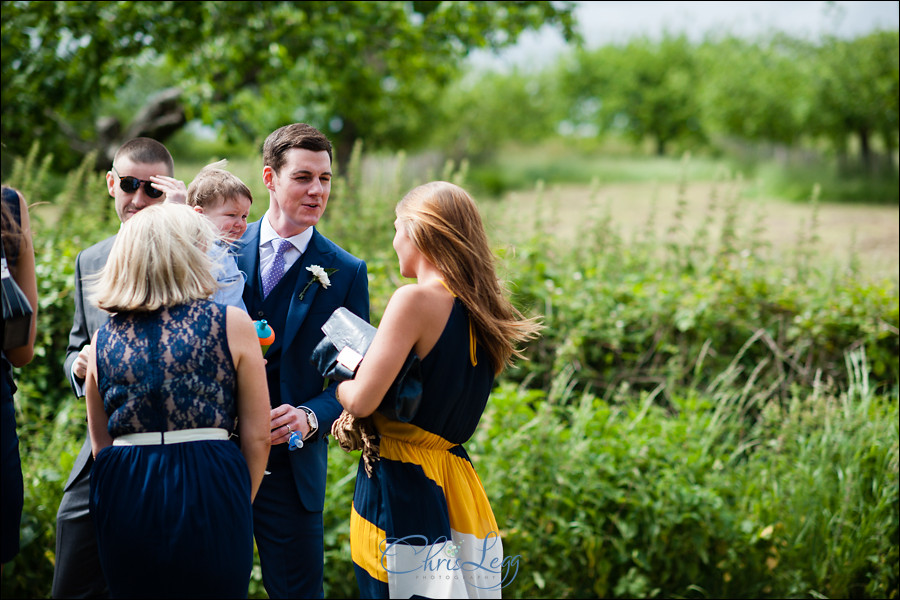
[(424, 296), (420, 306)]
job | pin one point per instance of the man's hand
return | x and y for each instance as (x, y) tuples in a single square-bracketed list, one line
[(284, 420), (174, 189), (79, 367)]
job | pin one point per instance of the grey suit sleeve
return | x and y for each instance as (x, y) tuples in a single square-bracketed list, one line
[(79, 337)]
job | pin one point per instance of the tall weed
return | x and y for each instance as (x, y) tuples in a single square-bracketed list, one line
[(627, 499)]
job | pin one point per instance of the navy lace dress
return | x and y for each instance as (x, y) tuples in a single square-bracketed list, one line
[(172, 520)]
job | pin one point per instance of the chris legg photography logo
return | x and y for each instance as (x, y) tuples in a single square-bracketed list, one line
[(442, 560)]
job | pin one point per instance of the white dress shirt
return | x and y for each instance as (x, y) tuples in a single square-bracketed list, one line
[(267, 239), (267, 242)]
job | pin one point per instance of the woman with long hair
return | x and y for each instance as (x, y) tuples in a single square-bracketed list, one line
[(18, 251), (421, 521)]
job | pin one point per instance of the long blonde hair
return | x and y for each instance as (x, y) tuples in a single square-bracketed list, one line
[(443, 222), (159, 258)]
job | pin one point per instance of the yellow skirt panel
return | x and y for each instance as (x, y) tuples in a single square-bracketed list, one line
[(467, 503), (365, 545)]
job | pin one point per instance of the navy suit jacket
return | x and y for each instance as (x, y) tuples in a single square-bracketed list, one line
[(300, 383)]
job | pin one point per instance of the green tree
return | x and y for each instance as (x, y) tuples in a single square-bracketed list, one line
[(644, 89), (857, 91), (488, 109), (758, 90), (367, 70)]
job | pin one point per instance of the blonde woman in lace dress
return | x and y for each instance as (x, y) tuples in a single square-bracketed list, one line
[(171, 377)]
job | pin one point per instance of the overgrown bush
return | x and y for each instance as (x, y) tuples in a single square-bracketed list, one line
[(681, 309), (624, 499)]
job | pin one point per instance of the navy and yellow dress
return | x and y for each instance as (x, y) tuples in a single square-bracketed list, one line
[(172, 520), (422, 525)]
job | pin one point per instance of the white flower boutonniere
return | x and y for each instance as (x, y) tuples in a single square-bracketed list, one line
[(318, 275)]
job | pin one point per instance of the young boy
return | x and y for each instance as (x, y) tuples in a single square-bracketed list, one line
[(225, 200)]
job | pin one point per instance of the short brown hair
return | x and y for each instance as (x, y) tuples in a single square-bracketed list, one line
[(146, 151), (296, 135), (212, 186)]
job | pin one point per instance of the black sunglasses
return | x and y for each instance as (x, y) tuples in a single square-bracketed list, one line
[(132, 184)]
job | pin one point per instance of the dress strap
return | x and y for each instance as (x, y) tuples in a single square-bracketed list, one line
[(447, 287), (473, 344)]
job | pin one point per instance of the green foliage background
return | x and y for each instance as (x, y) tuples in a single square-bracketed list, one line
[(701, 419)]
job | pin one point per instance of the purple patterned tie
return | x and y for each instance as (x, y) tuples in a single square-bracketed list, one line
[(276, 268)]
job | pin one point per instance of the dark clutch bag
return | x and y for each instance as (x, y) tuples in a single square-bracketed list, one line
[(337, 357), (17, 311)]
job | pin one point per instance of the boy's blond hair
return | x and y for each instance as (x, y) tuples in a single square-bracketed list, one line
[(214, 185)]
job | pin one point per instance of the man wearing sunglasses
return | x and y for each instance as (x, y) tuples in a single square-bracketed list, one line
[(141, 176), (141, 193)]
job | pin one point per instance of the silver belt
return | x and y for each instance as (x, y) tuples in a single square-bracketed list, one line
[(161, 438)]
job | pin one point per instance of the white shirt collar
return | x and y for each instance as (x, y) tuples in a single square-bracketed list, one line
[(267, 234)]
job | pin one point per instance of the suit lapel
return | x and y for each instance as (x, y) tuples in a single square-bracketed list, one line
[(315, 254), (248, 255)]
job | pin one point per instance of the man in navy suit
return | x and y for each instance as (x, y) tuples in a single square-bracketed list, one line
[(141, 176), (309, 276)]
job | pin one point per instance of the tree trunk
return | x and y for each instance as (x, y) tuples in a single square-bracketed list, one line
[(342, 145), (865, 149), (160, 118), (660, 147)]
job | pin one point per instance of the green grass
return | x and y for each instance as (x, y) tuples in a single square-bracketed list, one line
[(625, 498), (518, 168), (852, 187), (557, 162)]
